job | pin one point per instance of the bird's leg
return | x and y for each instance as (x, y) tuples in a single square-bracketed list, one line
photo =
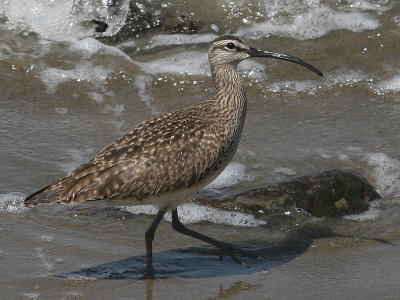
[(226, 248), (149, 237)]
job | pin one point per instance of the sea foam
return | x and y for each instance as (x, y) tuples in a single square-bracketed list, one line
[(10, 203), (194, 213), (63, 20), (180, 39), (370, 214), (193, 63), (233, 174), (314, 23), (90, 46), (386, 172), (83, 72), (188, 62), (390, 85)]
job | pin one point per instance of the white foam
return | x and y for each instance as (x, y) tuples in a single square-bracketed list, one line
[(195, 63), (147, 209), (285, 171), (388, 86), (10, 203), (293, 86), (114, 16), (370, 214), (90, 46), (365, 5), (33, 296), (340, 78), (253, 70), (313, 23), (83, 72), (50, 19), (141, 81), (80, 278), (194, 213), (188, 62), (127, 45), (180, 39), (386, 172), (214, 27), (233, 174), (63, 20), (273, 9), (346, 77)]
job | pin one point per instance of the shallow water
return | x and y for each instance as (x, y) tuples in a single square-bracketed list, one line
[(64, 96)]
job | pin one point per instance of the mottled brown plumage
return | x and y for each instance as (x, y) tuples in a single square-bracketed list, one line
[(183, 149), (167, 158), (162, 154)]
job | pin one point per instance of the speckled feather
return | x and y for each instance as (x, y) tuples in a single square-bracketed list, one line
[(184, 149)]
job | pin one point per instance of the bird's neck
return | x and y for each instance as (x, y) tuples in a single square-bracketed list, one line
[(230, 93), (231, 103)]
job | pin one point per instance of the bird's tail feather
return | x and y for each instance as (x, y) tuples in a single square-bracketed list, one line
[(49, 194)]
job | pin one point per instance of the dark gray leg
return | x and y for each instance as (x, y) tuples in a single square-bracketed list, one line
[(225, 248), (149, 237)]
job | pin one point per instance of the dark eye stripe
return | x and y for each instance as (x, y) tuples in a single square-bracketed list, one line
[(230, 46)]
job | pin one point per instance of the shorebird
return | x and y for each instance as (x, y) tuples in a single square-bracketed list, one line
[(168, 158)]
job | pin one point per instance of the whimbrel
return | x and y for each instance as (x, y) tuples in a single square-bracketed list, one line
[(168, 158)]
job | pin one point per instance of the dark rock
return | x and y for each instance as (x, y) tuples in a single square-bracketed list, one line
[(138, 21), (181, 24), (141, 19), (331, 193), (100, 25)]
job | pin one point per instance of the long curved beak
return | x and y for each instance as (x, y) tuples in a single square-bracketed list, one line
[(253, 52)]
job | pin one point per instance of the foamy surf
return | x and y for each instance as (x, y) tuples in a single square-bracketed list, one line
[(314, 23), (386, 172), (82, 72), (371, 214), (233, 174), (193, 63), (181, 63), (10, 203), (63, 20), (390, 85), (179, 39), (89, 46), (339, 78), (194, 213)]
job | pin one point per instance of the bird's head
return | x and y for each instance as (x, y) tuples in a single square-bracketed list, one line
[(231, 50)]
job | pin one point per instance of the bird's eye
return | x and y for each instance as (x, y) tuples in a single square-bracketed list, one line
[(230, 46)]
